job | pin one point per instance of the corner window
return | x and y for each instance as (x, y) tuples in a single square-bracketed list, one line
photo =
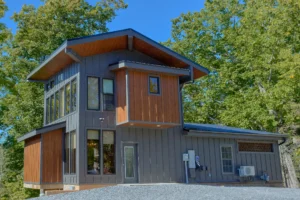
[(154, 87), (108, 95), (227, 160), (93, 152), (93, 94)]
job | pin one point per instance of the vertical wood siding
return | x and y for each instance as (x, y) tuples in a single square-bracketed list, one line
[(52, 157), (153, 108), (121, 106), (32, 155)]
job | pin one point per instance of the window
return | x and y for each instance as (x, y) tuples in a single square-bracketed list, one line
[(73, 95), (94, 146), (57, 105), (108, 94), (68, 98), (255, 147), (154, 85), (109, 152), (93, 93), (47, 111), (70, 153), (67, 153), (48, 87), (51, 84), (62, 102), (52, 108), (93, 153), (60, 77), (73, 152), (226, 156)]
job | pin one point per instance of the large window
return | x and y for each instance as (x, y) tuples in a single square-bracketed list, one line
[(109, 152), (62, 102), (70, 153), (93, 93), (57, 105), (68, 98), (227, 161), (154, 87), (93, 152), (94, 156), (108, 94), (73, 95)]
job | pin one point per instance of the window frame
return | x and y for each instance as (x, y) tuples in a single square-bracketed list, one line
[(67, 113), (71, 93), (232, 159), (158, 87), (100, 131), (87, 94), (256, 152), (70, 159), (103, 94)]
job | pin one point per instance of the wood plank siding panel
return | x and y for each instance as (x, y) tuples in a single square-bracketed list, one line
[(121, 106), (32, 158), (52, 157), (145, 107)]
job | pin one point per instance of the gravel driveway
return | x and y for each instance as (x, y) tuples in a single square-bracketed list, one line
[(178, 192)]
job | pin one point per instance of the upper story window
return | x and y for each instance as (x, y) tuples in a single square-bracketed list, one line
[(93, 96), (61, 102), (227, 159), (108, 94), (154, 87)]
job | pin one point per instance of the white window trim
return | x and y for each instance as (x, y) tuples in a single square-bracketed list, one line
[(232, 160)]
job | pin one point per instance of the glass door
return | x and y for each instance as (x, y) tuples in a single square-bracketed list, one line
[(130, 163)]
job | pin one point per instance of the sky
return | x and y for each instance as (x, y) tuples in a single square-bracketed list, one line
[(149, 17)]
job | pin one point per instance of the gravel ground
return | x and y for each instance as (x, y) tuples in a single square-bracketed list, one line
[(179, 192)]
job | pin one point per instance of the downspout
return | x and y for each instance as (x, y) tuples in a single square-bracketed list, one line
[(284, 140)]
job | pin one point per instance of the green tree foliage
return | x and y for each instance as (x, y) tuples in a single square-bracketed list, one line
[(252, 48), (39, 31)]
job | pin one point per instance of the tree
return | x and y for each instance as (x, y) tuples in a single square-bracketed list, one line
[(39, 31)]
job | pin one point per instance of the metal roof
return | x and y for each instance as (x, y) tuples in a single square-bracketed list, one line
[(226, 129)]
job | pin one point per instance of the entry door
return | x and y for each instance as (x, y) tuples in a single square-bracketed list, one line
[(130, 163)]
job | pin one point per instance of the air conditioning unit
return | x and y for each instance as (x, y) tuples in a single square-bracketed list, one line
[(245, 171)]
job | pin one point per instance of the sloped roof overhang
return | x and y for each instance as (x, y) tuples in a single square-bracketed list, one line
[(73, 50), (42, 130)]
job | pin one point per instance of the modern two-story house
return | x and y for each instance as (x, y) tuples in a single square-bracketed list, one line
[(113, 115)]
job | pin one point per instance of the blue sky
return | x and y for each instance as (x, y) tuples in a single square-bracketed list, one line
[(150, 17)]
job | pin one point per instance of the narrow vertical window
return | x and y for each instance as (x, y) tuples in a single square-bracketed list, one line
[(154, 87), (73, 152), (57, 105), (62, 102), (52, 108), (93, 153), (109, 152), (68, 98), (226, 156), (108, 94), (67, 153), (47, 111), (93, 93), (73, 95)]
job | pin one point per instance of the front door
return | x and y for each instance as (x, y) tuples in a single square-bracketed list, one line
[(130, 163)]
